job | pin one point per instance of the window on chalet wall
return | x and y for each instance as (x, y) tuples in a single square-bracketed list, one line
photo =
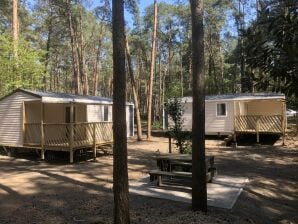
[(106, 113), (221, 110)]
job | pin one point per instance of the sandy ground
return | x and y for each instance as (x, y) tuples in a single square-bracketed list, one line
[(38, 192)]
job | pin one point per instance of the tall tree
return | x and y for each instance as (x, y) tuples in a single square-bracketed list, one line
[(199, 188), (244, 81), (15, 25), (134, 91), (152, 71), (74, 49), (271, 47), (120, 175)]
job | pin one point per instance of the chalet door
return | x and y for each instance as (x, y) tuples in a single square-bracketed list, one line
[(67, 115), (67, 120)]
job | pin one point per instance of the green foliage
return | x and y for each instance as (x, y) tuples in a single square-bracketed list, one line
[(21, 69), (272, 47), (175, 112), (156, 125)]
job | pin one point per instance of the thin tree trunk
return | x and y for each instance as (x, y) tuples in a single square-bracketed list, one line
[(47, 56), (242, 59), (96, 62), (163, 99), (160, 87), (181, 73), (75, 56), (135, 94), (152, 71), (222, 70), (15, 38), (120, 173), (15, 26), (199, 188), (83, 73)]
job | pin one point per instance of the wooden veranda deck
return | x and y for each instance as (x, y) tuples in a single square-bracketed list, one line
[(67, 136), (59, 135), (259, 123)]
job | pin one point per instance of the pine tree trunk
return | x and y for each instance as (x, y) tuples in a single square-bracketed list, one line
[(48, 46), (152, 71), (241, 46), (199, 188), (15, 26), (75, 56), (120, 173), (135, 94), (221, 70), (83, 73), (96, 62)]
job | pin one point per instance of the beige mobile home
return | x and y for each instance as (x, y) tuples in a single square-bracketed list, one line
[(57, 121), (240, 113)]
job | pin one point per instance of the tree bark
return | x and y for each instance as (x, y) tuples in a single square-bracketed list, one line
[(96, 62), (15, 26), (199, 188), (152, 71), (222, 61), (241, 46), (48, 46), (120, 173), (83, 73), (135, 94), (75, 56)]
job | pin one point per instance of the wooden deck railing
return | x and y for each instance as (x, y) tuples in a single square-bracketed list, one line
[(259, 123), (68, 135)]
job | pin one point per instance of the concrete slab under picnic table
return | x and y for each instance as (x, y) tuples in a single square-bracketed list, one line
[(222, 192)]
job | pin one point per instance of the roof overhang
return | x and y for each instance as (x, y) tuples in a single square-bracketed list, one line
[(70, 100)]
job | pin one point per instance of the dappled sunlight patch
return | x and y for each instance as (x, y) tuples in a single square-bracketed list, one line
[(273, 189), (271, 210), (255, 156)]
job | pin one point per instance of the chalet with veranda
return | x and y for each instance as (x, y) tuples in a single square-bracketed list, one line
[(57, 121), (234, 114)]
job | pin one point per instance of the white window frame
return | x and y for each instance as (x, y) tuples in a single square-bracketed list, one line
[(226, 114)]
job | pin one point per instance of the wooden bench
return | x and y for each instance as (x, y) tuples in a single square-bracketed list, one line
[(186, 167), (158, 174), (170, 163)]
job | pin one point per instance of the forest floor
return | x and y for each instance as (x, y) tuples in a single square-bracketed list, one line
[(32, 191)]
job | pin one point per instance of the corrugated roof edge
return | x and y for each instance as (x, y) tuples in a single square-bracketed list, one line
[(64, 96), (19, 90), (239, 96)]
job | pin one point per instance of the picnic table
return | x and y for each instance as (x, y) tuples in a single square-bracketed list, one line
[(179, 166)]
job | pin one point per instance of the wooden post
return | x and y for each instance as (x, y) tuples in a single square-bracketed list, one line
[(159, 181), (257, 130), (94, 141), (283, 122), (71, 156), (234, 123), (42, 153), (8, 151), (71, 134), (296, 123), (23, 122), (234, 120), (234, 137), (170, 144)]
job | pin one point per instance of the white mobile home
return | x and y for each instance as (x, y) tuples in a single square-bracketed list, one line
[(240, 113), (57, 121)]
